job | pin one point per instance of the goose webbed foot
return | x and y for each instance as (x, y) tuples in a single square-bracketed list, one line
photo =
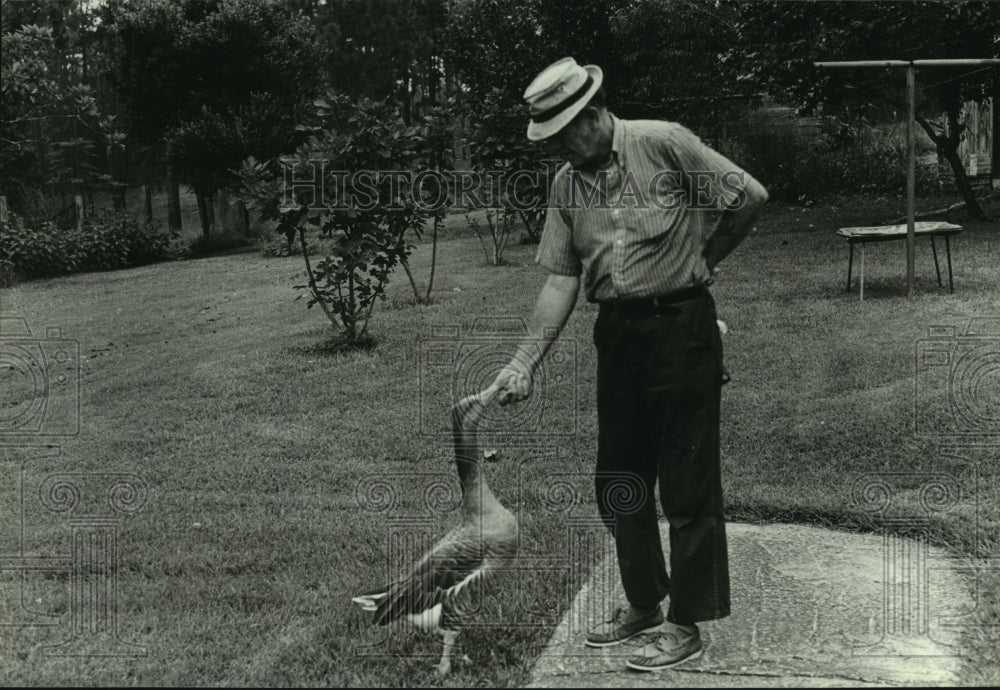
[(444, 667)]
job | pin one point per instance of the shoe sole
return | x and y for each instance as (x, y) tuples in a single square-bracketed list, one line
[(613, 643), (640, 667)]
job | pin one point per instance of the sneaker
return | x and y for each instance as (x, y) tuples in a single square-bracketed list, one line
[(674, 646), (621, 628)]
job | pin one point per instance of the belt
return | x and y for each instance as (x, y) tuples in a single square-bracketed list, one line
[(657, 304)]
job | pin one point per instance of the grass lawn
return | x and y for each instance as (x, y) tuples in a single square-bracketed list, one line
[(279, 478)]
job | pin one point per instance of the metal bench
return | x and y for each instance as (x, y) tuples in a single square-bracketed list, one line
[(887, 233)]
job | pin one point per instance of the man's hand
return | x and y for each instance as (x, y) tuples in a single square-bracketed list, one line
[(514, 382)]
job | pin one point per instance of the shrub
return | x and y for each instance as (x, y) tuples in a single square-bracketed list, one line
[(500, 224), (273, 245), (108, 240), (841, 158), (366, 225), (498, 143)]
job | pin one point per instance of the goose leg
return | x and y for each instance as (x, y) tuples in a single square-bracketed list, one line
[(444, 667)]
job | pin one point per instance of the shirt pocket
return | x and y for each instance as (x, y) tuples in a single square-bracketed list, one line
[(650, 226)]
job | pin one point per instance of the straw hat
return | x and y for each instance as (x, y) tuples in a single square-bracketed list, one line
[(556, 95)]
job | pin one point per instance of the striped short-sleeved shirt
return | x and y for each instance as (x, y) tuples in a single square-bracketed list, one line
[(638, 227)]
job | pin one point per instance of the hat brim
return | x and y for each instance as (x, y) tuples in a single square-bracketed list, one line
[(537, 131)]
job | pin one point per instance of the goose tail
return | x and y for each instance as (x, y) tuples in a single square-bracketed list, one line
[(370, 600)]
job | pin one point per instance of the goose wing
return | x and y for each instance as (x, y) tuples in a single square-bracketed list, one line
[(448, 569)]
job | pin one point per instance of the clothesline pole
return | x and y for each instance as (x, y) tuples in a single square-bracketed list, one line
[(911, 164), (911, 178)]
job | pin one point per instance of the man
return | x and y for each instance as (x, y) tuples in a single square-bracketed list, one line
[(643, 211)]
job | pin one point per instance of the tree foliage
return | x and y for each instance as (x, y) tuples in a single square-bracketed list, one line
[(839, 30), (51, 121), (367, 213), (675, 67), (218, 80), (496, 46)]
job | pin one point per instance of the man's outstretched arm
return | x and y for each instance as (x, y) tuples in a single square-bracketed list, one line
[(555, 303)]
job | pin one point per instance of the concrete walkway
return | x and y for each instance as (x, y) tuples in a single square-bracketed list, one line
[(811, 608)]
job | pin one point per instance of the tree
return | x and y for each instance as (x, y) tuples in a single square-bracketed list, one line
[(367, 216), (215, 80), (51, 122), (830, 31), (671, 67), (498, 145), (383, 49), (497, 45), (588, 34)]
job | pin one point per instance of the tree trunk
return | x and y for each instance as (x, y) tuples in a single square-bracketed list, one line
[(947, 148), (413, 283), (964, 188), (117, 198), (148, 194), (407, 94), (432, 81), (221, 217), (434, 251), (210, 206), (995, 154), (173, 200), (204, 205)]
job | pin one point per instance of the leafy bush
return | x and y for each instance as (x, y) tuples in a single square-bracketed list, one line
[(496, 235), (108, 240), (272, 245), (498, 143), (368, 221), (841, 158)]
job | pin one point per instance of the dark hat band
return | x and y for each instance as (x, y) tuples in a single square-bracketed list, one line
[(547, 115)]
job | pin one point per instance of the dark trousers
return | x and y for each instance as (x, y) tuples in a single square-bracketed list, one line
[(659, 377)]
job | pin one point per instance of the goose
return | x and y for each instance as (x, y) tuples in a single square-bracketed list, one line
[(446, 584)]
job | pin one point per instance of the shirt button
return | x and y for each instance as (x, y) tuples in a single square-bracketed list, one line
[(617, 212), (620, 242)]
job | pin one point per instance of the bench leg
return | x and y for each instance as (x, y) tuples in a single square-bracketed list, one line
[(947, 244), (850, 265), (937, 268), (862, 299)]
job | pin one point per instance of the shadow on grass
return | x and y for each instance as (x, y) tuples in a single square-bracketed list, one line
[(338, 345), (220, 245)]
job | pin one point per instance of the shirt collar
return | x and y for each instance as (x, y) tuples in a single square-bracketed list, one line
[(618, 138)]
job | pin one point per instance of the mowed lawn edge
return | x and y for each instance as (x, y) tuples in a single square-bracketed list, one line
[(257, 448)]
